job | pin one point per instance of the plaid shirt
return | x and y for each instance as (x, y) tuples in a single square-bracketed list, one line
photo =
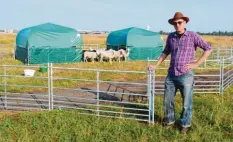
[(183, 50)]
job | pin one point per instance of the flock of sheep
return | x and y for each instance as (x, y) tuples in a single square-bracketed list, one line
[(107, 55)]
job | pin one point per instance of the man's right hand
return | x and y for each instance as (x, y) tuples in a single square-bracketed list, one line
[(161, 59), (151, 67)]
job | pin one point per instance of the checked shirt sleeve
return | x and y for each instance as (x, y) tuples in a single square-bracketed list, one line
[(201, 43)]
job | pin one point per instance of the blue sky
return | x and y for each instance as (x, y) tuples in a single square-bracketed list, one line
[(205, 15)]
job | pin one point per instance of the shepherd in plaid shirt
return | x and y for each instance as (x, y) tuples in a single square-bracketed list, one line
[(182, 46)]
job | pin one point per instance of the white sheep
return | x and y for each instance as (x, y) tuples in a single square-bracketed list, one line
[(126, 53), (119, 54), (90, 55), (107, 54), (122, 54)]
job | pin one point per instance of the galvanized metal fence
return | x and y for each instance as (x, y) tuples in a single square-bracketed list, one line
[(207, 80), (91, 91), (213, 76), (106, 93), (15, 91)]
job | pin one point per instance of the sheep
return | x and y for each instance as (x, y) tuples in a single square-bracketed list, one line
[(119, 54), (126, 53), (122, 54), (90, 55), (108, 54)]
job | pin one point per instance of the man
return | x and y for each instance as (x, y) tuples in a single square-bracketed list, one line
[(182, 45)]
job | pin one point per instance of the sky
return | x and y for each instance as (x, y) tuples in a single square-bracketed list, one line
[(205, 15)]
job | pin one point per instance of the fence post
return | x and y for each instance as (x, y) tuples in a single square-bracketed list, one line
[(153, 96), (149, 93), (222, 76), (5, 88), (148, 87), (98, 89), (49, 86)]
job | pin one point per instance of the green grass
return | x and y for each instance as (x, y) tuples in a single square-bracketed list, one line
[(212, 121)]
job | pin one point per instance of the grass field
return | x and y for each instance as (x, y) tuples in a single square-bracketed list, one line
[(212, 114), (212, 121)]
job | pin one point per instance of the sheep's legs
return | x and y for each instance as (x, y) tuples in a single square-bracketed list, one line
[(101, 59), (110, 60), (119, 60)]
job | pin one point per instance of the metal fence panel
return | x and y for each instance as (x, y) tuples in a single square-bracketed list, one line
[(105, 93)]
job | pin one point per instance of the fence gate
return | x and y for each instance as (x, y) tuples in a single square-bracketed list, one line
[(106, 93), (20, 92)]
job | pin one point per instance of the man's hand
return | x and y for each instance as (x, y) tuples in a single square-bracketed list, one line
[(191, 66), (152, 67), (161, 59), (194, 65)]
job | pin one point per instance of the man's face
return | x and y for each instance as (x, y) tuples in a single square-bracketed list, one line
[(179, 25)]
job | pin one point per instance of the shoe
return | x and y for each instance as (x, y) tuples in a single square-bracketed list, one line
[(169, 124)]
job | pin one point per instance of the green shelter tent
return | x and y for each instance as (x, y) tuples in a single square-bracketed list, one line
[(142, 44), (48, 43)]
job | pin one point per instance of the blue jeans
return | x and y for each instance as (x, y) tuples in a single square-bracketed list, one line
[(185, 84)]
